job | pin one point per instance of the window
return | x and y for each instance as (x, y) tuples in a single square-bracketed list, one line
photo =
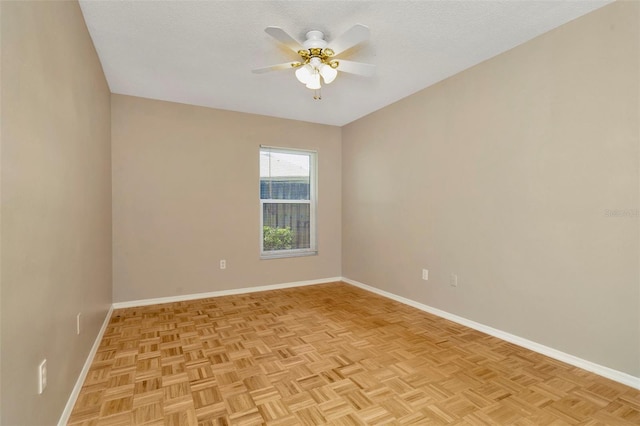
[(287, 202)]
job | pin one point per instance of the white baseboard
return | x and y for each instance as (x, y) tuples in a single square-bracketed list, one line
[(601, 370), (170, 299), (64, 418)]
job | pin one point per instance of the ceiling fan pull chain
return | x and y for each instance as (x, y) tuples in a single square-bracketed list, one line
[(317, 94)]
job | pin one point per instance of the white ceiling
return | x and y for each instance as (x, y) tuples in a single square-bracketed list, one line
[(202, 52)]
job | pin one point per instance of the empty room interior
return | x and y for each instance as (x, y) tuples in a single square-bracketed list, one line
[(329, 212)]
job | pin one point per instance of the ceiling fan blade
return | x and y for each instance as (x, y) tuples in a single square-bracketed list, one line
[(285, 66), (358, 68), (284, 38), (355, 35)]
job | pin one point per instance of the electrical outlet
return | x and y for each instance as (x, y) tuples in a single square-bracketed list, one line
[(78, 323), (223, 264), (425, 274), (453, 280), (42, 376)]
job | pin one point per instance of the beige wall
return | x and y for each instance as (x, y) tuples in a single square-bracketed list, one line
[(503, 174), (56, 204), (185, 195)]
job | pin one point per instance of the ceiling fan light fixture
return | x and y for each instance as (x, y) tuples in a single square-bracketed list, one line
[(328, 73)]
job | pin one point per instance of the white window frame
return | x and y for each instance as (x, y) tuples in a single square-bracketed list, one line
[(312, 201)]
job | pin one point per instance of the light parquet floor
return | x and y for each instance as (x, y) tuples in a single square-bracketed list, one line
[(328, 354)]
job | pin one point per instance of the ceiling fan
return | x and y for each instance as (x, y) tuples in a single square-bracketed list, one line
[(317, 56)]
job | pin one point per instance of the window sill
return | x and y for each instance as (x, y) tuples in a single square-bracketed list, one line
[(288, 253)]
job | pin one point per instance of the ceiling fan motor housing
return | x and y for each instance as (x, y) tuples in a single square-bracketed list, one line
[(315, 39), (315, 50)]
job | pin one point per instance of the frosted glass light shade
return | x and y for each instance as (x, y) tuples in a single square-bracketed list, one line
[(314, 81), (304, 73), (328, 74)]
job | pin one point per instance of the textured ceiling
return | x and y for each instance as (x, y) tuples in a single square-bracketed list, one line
[(202, 52)]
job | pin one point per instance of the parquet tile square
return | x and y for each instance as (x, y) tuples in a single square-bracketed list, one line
[(328, 354), (273, 410)]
